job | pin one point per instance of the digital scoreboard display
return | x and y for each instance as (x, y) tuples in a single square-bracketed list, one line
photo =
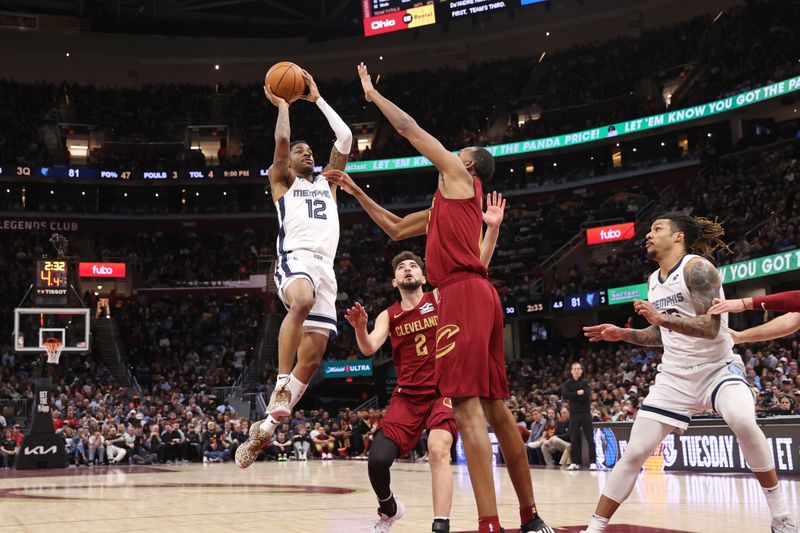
[(385, 16), (52, 282)]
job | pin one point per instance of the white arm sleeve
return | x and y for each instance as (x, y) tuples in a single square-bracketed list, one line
[(344, 137)]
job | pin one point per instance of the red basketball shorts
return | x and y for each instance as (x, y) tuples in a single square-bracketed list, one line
[(407, 417), (469, 342)]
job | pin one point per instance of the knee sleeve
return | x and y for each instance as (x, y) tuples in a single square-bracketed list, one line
[(646, 434), (735, 404)]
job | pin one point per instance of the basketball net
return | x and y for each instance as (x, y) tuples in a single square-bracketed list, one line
[(53, 349)]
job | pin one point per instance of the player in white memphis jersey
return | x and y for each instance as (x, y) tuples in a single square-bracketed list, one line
[(698, 370), (308, 235)]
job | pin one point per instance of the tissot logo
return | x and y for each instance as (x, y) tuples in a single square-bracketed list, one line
[(39, 450)]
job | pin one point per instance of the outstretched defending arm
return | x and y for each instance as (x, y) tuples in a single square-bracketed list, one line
[(397, 228), (368, 343), (703, 282), (344, 137), (774, 329), (457, 182), (788, 301)]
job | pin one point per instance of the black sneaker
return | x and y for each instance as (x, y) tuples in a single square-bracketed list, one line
[(535, 525), (441, 526)]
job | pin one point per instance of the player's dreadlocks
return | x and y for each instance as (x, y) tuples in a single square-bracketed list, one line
[(702, 235)]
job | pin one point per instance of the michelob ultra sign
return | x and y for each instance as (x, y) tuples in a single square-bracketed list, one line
[(347, 369)]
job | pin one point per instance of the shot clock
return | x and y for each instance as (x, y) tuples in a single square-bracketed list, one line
[(51, 283)]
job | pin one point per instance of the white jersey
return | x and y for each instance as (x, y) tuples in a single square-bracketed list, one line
[(672, 297), (308, 219)]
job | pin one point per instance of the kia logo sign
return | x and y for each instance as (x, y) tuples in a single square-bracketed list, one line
[(39, 450), (617, 232), (102, 270)]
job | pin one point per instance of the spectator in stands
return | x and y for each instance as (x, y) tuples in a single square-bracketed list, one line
[(217, 451), (324, 444), (115, 446), (8, 449), (280, 448), (302, 443), (558, 442), (97, 448)]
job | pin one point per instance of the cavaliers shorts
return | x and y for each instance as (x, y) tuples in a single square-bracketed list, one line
[(409, 415), (470, 361)]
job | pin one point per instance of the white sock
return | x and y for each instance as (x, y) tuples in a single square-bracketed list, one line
[(281, 379), (776, 501), (298, 388), (441, 518), (269, 425), (597, 525)]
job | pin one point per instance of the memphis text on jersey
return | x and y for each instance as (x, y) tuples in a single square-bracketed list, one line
[(418, 325), (302, 193), (670, 300)]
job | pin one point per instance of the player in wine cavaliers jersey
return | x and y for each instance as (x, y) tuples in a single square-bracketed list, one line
[(415, 406), (470, 363)]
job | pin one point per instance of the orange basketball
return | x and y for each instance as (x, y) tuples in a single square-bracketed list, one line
[(286, 80)]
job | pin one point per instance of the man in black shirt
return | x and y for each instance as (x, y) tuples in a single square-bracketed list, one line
[(578, 392)]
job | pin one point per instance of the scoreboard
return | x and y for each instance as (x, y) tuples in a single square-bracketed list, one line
[(385, 16), (52, 282)]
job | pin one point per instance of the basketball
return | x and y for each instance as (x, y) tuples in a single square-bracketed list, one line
[(286, 81)]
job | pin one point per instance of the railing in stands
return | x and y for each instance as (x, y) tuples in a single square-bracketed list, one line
[(372, 403)]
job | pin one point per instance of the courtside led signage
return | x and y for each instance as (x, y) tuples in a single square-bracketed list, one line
[(101, 270), (604, 234)]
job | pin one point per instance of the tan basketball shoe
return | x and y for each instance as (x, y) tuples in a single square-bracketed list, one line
[(248, 451), (280, 402)]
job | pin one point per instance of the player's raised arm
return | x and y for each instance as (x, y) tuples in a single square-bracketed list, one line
[(368, 343), (493, 217), (344, 137), (397, 228), (703, 282), (649, 336), (457, 182), (279, 176)]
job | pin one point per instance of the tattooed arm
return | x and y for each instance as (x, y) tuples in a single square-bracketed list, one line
[(703, 282), (650, 336)]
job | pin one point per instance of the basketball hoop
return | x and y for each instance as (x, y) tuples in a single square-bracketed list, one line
[(52, 347)]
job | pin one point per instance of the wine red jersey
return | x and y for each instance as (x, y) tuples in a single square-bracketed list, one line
[(454, 236), (413, 336)]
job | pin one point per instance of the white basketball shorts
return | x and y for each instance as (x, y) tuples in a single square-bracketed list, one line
[(313, 267), (679, 393)]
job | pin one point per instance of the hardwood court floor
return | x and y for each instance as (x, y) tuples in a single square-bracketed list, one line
[(335, 496)]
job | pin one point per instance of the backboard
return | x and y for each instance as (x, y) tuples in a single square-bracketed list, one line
[(33, 326)]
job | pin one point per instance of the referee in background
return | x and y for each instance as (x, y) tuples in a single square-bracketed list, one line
[(577, 391)]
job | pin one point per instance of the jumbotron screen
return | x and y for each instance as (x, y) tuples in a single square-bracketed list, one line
[(385, 16)]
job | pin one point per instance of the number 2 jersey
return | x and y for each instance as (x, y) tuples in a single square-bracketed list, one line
[(308, 219), (413, 336), (672, 296)]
